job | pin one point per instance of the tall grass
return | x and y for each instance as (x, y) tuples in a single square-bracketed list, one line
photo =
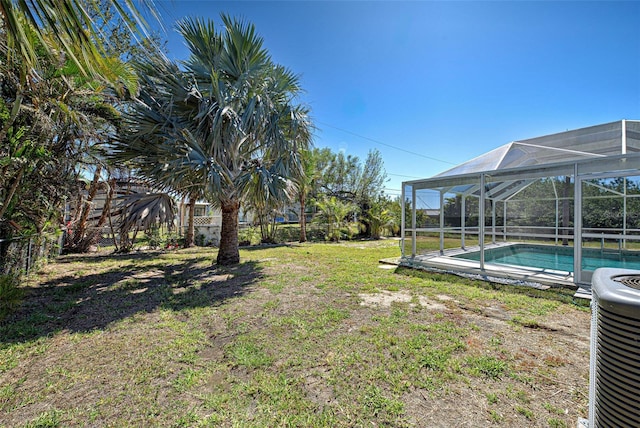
[(10, 295)]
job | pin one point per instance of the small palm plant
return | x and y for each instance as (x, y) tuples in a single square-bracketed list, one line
[(143, 211), (333, 213), (380, 217)]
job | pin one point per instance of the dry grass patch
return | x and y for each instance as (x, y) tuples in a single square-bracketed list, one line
[(301, 335)]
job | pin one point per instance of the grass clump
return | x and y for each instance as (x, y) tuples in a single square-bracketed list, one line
[(50, 419), (10, 294), (285, 338), (248, 352), (487, 366), (527, 413), (556, 423)]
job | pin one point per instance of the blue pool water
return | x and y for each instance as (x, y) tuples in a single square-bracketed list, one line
[(556, 257)]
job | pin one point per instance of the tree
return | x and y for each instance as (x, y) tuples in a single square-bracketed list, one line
[(266, 210), (227, 122), (305, 183), (339, 174), (370, 189), (346, 178), (67, 26), (143, 211), (53, 117), (45, 127)]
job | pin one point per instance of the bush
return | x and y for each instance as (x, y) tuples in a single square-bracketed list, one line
[(291, 232), (248, 236), (349, 231), (154, 238), (10, 295), (200, 240)]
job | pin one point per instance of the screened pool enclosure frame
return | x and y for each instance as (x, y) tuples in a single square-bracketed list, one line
[(579, 189)]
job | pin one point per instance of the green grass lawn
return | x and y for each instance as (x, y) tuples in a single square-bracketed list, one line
[(300, 335)]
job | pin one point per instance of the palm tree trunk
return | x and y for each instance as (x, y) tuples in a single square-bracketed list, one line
[(12, 191), (81, 227), (96, 233), (189, 239), (228, 254), (303, 220), (107, 203)]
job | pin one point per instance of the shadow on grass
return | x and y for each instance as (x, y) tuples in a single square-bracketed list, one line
[(263, 246), (84, 302), (104, 256), (561, 294)]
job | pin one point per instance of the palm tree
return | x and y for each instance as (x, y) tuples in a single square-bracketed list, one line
[(379, 216), (305, 183), (68, 26), (226, 124), (332, 213), (143, 211), (46, 128), (266, 207)]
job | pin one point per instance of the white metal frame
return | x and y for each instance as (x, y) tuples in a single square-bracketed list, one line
[(510, 182)]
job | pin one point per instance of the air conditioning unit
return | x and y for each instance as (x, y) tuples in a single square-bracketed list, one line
[(614, 386)]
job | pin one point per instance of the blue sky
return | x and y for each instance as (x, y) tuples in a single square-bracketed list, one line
[(433, 84)]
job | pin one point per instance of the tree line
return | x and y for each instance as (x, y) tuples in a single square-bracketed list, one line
[(84, 103)]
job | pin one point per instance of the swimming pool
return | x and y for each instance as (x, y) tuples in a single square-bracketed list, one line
[(556, 257)]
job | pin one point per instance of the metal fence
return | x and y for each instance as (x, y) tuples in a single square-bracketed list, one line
[(20, 255)]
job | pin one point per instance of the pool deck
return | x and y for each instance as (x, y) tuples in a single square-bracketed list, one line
[(517, 275)]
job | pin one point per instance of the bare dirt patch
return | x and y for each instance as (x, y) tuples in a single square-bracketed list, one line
[(386, 298), (312, 335)]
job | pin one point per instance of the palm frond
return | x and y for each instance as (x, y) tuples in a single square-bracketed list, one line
[(145, 210), (69, 25)]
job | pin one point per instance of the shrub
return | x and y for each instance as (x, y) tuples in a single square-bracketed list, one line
[(248, 236), (154, 238), (10, 295), (200, 240)]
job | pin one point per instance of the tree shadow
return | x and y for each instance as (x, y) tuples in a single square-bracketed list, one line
[(86, 302), (98, 257), (263, 246)]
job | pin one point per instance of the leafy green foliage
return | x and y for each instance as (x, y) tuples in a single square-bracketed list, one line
[(491, 367), (604, 203), (10, 295), (71, 27), (381, 216), (49, 419), (353, 182), (50, 127), (248, 236), (333, 214)]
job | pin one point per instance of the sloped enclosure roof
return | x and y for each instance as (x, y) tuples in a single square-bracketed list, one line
[(609, 139), (516, 165)]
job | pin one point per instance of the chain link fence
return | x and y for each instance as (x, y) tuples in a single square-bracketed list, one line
[(20, 255)]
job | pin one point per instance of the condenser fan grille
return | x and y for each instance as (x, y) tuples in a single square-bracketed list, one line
[(615, 349), (631, 281), (617, 370)]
